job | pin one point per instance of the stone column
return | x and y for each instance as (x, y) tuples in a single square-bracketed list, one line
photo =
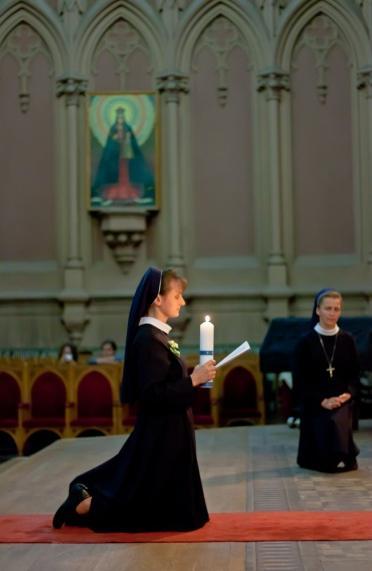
[(272, 82), (73, 297), (365, 84), (171, 86)]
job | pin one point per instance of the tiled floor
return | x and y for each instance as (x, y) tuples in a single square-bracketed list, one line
[(246, 468)]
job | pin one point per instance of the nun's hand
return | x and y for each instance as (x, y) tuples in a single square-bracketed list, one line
[(203, 373), (331, 403)]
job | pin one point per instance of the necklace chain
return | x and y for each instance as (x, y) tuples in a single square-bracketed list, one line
[(330, 370)]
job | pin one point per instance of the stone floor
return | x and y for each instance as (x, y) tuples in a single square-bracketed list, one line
[(245, 468)]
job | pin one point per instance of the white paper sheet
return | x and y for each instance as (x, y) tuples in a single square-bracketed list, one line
[(234, 354)]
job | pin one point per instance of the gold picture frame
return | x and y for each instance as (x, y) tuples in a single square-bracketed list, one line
[(123, 150)]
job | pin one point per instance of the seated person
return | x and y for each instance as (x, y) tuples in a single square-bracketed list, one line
[(67, 353), (107, 355)]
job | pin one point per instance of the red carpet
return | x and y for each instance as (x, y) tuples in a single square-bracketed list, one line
[(225, 527)]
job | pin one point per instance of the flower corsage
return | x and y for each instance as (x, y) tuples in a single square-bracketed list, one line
[(173, 346)]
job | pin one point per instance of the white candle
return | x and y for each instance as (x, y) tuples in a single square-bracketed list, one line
[(206, 340)]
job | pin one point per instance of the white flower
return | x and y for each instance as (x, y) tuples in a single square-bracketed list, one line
[(173, 346)]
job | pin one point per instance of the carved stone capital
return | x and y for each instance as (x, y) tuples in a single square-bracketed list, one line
[(273, 4), (273, 82), (364, 81), (123, 233), (72, 88), (71, 12), (24, 101), (75, 314), (71, 6), (170, 4), (172, 84)]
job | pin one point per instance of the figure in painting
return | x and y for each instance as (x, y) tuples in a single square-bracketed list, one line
[(123, 174)]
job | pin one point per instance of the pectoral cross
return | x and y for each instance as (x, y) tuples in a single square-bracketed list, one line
[(330, 371)]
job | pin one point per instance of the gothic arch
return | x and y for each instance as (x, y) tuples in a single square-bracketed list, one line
[(137, 12), (246, 18), (344, 14), (43, 21)]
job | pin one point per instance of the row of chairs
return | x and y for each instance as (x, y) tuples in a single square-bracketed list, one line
[(75, 399)]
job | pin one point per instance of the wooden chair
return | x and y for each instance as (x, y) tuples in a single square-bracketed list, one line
[(241, 400), (94, 402), (48, 401), (10, 425), (10, 399)]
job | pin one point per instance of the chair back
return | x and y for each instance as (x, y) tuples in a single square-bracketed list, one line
[(48, 397), (10, 398), (239, 389), (94, 397)]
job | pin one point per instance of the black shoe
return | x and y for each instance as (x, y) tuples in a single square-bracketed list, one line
[(350, 466), (347, 466), (78, 493)]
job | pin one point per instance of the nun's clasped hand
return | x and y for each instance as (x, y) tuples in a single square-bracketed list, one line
[(203, 373)]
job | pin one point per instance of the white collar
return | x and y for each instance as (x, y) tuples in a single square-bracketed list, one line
[(319, 329), (156, 323)]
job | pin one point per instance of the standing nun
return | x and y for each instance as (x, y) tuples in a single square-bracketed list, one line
[(326, 374), (153, 483)]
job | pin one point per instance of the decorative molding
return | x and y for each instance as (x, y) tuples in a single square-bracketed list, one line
[(71, 12), (24, 44), (220, 38), (121, 41), (162, 5), (271, 11), (364, 81), (172, 84), (273, 81), (76, 6), (123, 232), (320, 36), (170, 11), (75, 316), (72, 88), (276, 4)]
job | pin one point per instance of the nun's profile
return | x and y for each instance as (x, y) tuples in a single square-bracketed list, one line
[(153, 483)]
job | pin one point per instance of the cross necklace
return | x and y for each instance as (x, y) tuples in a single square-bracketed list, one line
[(330, 370)]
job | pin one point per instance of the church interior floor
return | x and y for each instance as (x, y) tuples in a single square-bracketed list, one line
[(243, 469)]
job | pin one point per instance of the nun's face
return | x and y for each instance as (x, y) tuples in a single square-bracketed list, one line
[(169, 304), (329, 312)]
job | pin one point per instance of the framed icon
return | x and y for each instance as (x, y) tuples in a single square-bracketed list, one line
[(123, 157)]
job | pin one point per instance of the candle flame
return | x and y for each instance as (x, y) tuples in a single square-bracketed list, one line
[(207, 318)]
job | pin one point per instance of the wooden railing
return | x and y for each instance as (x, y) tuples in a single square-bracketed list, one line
[(73, 399)]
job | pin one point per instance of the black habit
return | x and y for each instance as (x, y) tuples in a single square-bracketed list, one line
[(325, 435), (153, 483)]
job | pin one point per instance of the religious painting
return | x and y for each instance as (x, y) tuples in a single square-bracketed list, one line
[(123, 150)]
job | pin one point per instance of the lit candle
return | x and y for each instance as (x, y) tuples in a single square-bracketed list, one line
[(206, 340), (206, 343)]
